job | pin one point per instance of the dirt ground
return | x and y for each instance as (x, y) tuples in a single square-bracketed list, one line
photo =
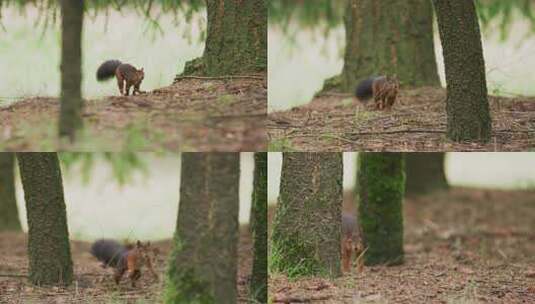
[(189, 115), (463, 246), (94, 284), (339, 122)]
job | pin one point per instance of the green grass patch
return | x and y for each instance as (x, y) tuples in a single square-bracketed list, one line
[(226, 99), (346, 102), (289, 257), (280, 145)]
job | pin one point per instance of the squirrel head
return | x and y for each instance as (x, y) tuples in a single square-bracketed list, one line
[(140, 247), (146, 253), (393, 79), (347, 243), (140, 74)]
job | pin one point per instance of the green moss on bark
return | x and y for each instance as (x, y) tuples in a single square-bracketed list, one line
[(306, 229), (380, 189), (236, 41), (185, 284), (332, 84), (204, 261)]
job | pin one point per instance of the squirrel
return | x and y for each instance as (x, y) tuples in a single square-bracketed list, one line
[(383, 89), (124, 258), (127, 75), (351, 241)]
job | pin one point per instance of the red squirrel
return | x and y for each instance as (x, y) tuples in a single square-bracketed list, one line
[(351, 241), (126, 74), (383, 89), (124, 258)]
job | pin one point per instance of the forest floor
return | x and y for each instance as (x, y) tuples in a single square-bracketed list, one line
[(92, 283), (189, 115), (463, 246), (417, 122)]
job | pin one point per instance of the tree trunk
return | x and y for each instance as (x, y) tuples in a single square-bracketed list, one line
[(9, 215), (70, 119), (236, 41), (48, 236), (204, 267), (425, 172), (380, 189), (388, 37), (253, 214), (307, 225), (258, 287), (467, 106)]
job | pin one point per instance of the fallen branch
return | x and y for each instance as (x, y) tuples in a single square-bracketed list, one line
[(14, 275), (295, 299), (396, 132), (198, 118), (334, 94), (237, 116), (178, 78), (430, 131)]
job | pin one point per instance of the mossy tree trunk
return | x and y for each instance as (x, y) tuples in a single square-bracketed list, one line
[(388, 37), (70, 119), (49, 251), (259, 276), (467, 104), (236, 41), (9, 215), (307, 225), (425, 172), (380, 190), (204, 261)]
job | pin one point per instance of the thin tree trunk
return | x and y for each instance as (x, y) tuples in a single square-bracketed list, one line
[(307, 225), (9, 215), (388, 37), (253, 214), (204, 260), (425, 172), (70, 119), (236, 41), (467, 105), (380, 189), (258, 287), (48, 236)]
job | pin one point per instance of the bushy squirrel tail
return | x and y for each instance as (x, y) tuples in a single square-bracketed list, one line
[(109, 252), (364, 89), (107, 69)]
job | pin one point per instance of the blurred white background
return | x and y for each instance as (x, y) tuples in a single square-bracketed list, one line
[(31, 54), (144, 208), (490, 170), (299, 63)]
